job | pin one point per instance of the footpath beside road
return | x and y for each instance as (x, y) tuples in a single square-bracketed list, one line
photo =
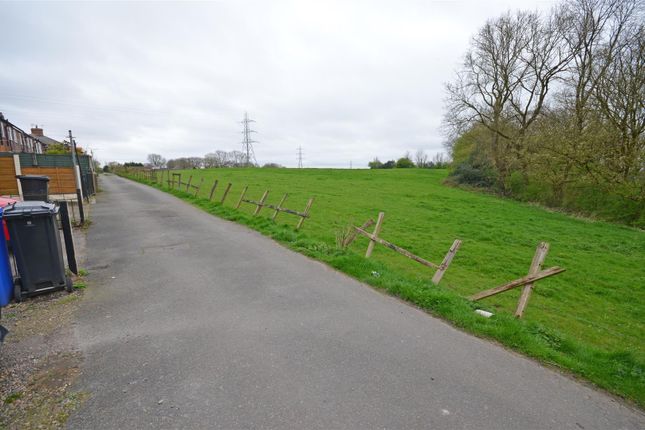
[(191, 321)]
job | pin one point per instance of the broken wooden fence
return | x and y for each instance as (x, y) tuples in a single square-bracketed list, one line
[(374, 239), (276, 208), (535, 274)]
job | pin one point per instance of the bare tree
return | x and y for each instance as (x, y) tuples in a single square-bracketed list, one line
[(421, 159), (195, 162), (156, 161), (223, 158), (439, 160), (492, 72), (237, 159)]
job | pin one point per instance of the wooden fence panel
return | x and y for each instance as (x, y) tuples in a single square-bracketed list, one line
[(61, 179), (8, 184)]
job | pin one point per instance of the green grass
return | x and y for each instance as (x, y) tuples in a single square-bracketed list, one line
[(588, 320), (13, 397)]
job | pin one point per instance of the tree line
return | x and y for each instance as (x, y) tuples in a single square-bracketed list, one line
[(550, 108), (421, 160), (217, 159)]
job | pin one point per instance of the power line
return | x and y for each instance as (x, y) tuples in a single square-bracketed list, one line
[(247, 143), (300, 157)]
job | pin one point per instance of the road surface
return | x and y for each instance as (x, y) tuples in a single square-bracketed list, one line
[(195, 322)]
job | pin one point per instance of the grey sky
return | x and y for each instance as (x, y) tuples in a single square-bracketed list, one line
[(347, 80)]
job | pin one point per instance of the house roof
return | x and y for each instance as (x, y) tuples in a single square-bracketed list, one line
[(45, 140)]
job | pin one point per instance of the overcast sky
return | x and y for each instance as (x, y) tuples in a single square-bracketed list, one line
[(345, 80)]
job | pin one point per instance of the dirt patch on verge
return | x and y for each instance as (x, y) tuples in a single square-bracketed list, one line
[(39, 362)]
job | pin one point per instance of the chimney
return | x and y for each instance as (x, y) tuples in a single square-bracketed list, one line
[(37, 131)]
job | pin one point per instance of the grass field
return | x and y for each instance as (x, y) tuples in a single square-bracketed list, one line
[(590, 319)]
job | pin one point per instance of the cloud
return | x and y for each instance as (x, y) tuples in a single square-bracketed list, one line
[(345, 80)]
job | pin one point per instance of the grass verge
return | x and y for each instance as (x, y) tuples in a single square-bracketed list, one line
[(617, 371)]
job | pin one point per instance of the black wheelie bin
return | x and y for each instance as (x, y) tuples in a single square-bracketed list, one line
[(34, 187), (37, 248)]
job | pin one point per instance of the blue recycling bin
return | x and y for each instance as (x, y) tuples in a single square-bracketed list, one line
[(6, 278)]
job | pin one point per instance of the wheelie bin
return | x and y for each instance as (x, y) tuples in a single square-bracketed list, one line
[(34, 187), (6, 279), (37, 250)]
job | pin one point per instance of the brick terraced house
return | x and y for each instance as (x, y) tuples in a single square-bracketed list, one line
[(14, 139)]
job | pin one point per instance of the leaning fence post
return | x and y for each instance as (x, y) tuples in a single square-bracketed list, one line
[(305, 213), (239, 202), (261, 203), (536, 266), (210, 197), (278, 207), (446, 262), (190, 179), (377, 230), (228, 188), (353, 233), (201, 181)]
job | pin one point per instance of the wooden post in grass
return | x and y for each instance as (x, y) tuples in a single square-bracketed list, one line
[(210, 197), (446, 262), (528, 279), (353, 233), (536, 265), (278, 207), (201, 182), (258, 208), (239, 202), (305, 214), (190, 179), (377, 230), (228, 188)]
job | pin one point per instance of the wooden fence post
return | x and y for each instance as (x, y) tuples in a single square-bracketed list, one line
[(258, 208), (213, 190), (277, 208), (353, 233), (228, 188), (190, 179), (536, 266), (446, 262), (198, 189), (239, 202), (377, 230), (305, 213)]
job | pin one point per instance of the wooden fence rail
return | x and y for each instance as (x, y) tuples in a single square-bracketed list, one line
[(535, 274), (374, 239), (260, 204)]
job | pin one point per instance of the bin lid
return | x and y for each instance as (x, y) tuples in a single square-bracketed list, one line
[(33, 177), (29, 208)]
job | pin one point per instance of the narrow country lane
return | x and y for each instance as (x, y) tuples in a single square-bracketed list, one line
[(191, 321)]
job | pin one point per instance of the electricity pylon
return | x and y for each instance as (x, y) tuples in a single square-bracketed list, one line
[(247, 143), (300, 157)]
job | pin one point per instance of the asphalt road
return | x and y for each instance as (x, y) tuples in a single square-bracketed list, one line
[(196, 322)]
